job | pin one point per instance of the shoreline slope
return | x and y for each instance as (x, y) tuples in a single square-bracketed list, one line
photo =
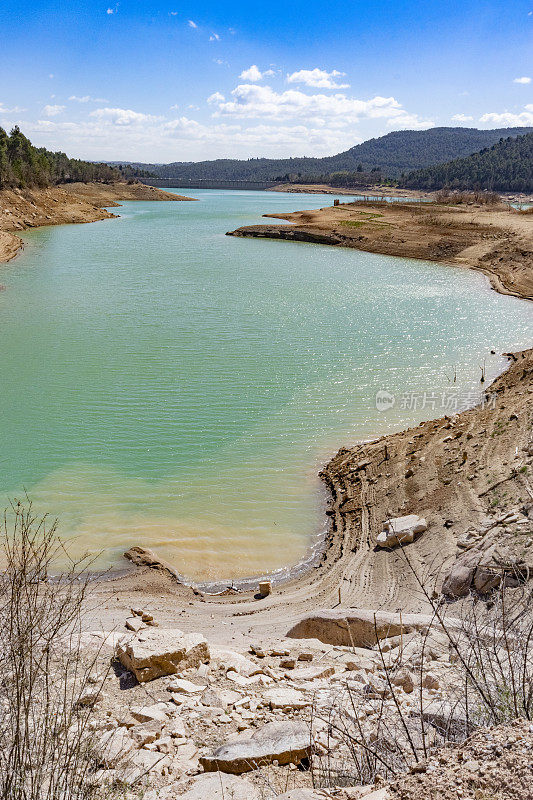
[(496, 240)]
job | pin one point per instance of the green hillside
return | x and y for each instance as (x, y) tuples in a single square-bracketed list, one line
[(505, 167), (393, 154)]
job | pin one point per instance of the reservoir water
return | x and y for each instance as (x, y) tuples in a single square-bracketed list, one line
[(166, 385)]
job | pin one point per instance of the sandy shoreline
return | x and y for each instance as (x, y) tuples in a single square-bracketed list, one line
[(376, 192), (21, 209), (496, 240)]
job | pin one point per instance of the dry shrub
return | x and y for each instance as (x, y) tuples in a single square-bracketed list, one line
[(477, 197), (489, 647), (47, 682)]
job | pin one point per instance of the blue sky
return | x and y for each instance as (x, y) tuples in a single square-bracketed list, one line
[(173, 81)]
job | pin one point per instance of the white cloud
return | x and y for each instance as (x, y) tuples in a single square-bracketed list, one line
[(86, 98), (253, 101), (192, 24), (122, 116), (217, 97), (112, 10), (318, 78), (214, 37), (523, 80), (525, 117), (52, 111), (99, 137), (173, 13), (462, 118), (252, 74), (13, 110)]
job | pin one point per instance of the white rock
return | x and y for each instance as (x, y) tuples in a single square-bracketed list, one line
[(146, 732), (157, 712), (217, 786), (236, 662), (113, 746), (286, 698), (221, 698), (401, 530), (310, 673), (155, 652), (177, 728), (185, 687), (135, 624), (284, 742)]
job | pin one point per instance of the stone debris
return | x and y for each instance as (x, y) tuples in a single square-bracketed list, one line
[(232, 713), (493, 763), (113, 747), (286, 698)]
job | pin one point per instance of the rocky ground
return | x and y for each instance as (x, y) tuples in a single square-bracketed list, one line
[(493, 764), (178, 716), (497, 240)]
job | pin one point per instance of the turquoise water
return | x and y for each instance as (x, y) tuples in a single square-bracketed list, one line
[(166, 385)]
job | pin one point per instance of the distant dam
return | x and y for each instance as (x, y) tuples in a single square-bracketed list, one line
[(181, 183)]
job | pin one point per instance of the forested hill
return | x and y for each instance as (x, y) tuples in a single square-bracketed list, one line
[(393, 154), (23, 165), (505, 167)]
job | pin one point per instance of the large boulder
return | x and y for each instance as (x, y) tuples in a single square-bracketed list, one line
[(401, 530), (284, 742), (155, 652), (357, 627)]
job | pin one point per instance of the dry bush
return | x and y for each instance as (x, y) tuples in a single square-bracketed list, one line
[(489, 680), (47, 683), (434, 221), (477, 197)]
